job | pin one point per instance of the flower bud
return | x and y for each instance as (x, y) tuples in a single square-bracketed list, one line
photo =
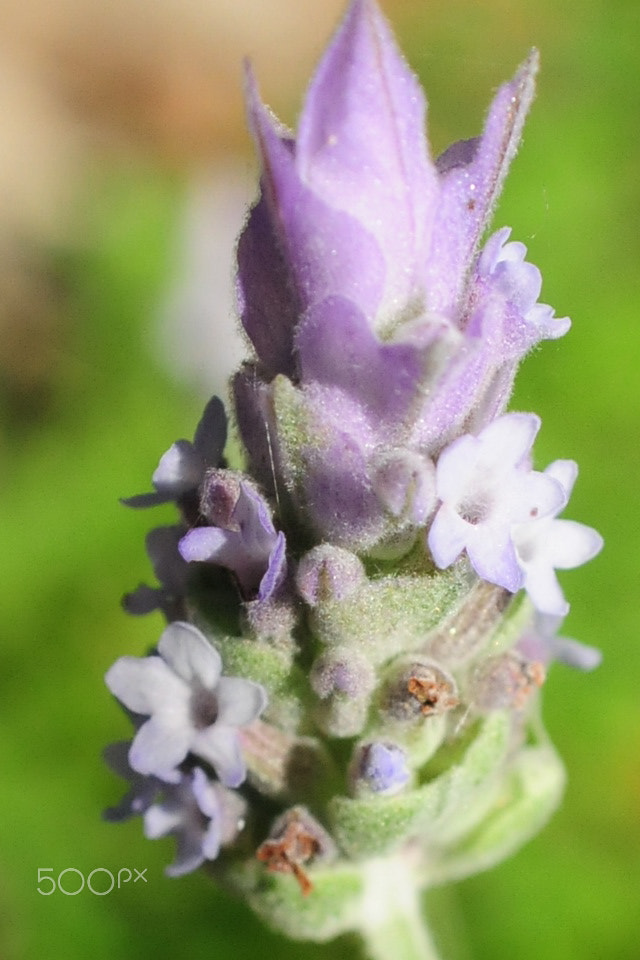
[(344, 681), (420, 689), (405, 482), (328, 573), (219, 495), (381, 768), (505, 682)]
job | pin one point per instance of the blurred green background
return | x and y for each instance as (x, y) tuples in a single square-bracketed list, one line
[(141, 102)]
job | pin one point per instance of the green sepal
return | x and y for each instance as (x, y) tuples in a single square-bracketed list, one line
[(375, 826), (391, 614), (529, 795), (330, 909)]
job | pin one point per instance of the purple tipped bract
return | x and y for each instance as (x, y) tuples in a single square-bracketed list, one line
[(361, 281)]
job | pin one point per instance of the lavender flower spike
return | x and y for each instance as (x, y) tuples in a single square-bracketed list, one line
[(389, 550), (191, 707)]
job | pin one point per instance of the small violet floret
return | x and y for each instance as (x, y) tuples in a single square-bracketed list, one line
[(245, 542), (201, 814), (191, 706)]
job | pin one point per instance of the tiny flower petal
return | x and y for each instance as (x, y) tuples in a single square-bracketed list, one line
[(190, 655), (219, 746), (240, 701), (143, 685), (158, 747), (545, 544), (180, 469)]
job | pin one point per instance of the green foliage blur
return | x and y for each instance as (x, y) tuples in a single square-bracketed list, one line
[(69, 551)]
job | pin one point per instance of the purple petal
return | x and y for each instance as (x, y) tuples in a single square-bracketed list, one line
[(361, 146), (577, 655), (326, 251), (168, 566), (180, 469), (143, 600), (253, 518), (226, 548), (207, 544), (336, 346), (211, 433), (472, 174), (276, 570), (143, 789), (268, 303)]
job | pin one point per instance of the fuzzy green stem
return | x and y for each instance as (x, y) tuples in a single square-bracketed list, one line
[(393, 923)]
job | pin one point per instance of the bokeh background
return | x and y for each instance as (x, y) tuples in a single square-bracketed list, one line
[(124, 172)]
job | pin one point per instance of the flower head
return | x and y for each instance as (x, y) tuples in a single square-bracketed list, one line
[(191, 706)]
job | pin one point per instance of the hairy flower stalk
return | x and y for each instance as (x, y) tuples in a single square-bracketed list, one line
[(343, 708)]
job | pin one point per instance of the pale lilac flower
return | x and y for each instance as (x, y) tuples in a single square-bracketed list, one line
[(191, 706), (201, 814), (183, 467), (546, 544), (485, 485), (248, 544)]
